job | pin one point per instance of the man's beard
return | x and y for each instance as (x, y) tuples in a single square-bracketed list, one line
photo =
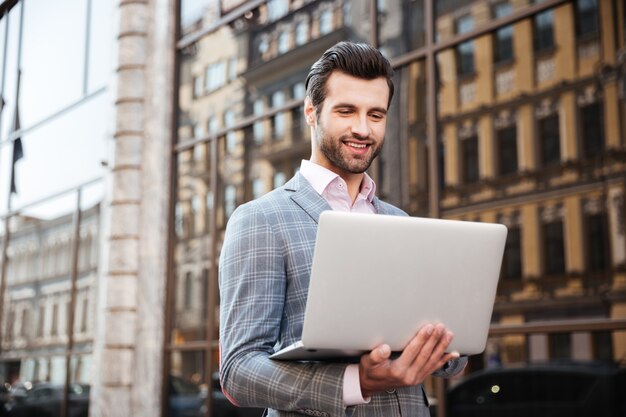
[(332, 149)]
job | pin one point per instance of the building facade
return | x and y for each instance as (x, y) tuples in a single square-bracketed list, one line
[(507, 111)]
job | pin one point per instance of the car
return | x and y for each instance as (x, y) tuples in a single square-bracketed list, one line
[(549, 390), (187, 399), (44, 400)]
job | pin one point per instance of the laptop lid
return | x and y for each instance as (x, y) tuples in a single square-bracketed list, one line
[(377, 279)]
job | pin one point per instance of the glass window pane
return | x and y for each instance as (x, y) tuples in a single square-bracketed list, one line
[(67, 151), (401, 26), (192, 11), (549, 140), (10, 74), (507, 150), (592, 129), (52, 78), (544, 31), (100, 55)]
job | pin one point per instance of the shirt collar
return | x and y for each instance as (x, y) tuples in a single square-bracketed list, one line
[(320, 177)]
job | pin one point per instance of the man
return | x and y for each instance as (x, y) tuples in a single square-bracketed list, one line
[(268, 250)]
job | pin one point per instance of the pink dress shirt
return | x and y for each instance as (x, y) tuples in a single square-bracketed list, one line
[(335, 191)]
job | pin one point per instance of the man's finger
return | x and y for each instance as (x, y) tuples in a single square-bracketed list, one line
[(380, 354), (415, 346)]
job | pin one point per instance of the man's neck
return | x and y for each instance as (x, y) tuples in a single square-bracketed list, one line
[(354, 184)]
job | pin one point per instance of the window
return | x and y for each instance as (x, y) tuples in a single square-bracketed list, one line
[(507, 150), (560, 346), (279, 179), (465, 51), (277, 9), (188, 291), (179, 225), (41, 321), (232, 69), (278, 121), (512, 261), (326, 21), (54, 328), (264, 44), (544, 31), (469, 151), (549, 140), (258, 188), (231, 136), (283, 42), (257, 127), (503, 48), (592, 130), (587, 17), (24, 329), (84, 315), (230, 200), (602, 343), (212, 125), (441, 159), (302, 32), (298, 91), (596, 228), (554, 252), (197, 86), (215, 76)]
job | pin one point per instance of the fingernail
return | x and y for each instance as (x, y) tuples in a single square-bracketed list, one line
[(455, 354), (384, 350), (429, 329)]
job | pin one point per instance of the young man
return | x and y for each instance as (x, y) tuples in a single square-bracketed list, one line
[(268, 250)]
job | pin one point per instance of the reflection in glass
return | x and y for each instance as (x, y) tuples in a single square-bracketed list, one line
[(60, 80), (63, 153), (587, 17), (10, 75), (401, 26), (100, 52), (192, 11), (503, 50), (544, 31), (278, 100), (38, 294)]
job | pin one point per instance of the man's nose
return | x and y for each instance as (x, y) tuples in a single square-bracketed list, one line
[(361, 127)]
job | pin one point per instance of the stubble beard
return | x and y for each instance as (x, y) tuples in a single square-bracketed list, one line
[(332, 148)]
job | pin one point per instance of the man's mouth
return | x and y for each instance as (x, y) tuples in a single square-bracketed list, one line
[(357, 145)]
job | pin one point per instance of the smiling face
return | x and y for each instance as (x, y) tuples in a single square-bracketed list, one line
[(349, 130)]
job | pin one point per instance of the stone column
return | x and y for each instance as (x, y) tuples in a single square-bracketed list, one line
[(128, 350)]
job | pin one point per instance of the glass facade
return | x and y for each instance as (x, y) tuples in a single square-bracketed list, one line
[(521, 114), (507, 111), (53, 131)]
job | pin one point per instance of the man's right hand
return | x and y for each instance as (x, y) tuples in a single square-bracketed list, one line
[(424, 354)]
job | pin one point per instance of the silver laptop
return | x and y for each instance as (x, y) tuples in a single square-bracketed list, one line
[(377, 279)]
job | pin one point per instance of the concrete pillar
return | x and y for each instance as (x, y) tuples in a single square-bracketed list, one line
[(486, 147), (128, 348), (531, 241), (573, 235)]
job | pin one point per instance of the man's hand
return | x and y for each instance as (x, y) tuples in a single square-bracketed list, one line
[(424, 354)]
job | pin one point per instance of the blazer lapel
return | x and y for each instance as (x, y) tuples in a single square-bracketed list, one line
[(306, 197)]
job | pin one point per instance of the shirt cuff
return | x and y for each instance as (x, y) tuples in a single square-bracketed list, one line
[(352, 387)]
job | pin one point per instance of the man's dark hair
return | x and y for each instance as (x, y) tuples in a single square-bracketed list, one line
[(356, 59)]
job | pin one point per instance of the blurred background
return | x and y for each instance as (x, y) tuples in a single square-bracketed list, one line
[(131, 130)]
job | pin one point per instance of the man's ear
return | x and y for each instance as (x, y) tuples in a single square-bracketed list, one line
[(309, 111)]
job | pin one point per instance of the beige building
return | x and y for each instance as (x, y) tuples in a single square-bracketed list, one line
[(506, 111)]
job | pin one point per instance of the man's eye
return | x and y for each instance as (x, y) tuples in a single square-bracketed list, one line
[(377, 116)]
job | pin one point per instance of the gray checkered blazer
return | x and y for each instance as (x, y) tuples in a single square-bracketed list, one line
[(265, 265)]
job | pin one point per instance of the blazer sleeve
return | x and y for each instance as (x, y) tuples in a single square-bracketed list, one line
[(252, 289)]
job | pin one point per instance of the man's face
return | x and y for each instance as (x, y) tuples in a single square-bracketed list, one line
[(349, 131)]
